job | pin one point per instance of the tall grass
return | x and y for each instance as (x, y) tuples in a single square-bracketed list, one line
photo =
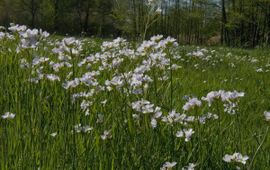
[(43, 108)]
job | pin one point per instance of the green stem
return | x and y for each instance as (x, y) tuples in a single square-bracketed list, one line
[(259, 147)]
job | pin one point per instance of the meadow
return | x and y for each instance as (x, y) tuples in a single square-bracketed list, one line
[(74, 103)]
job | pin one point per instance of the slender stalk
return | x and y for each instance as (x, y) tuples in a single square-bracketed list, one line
[(6, 146), (258, 149), (171, 82), (74, 150), (219, 132)]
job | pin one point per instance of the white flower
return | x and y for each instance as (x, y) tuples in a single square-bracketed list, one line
[(143, 106), (153, 123), (267, 115), (106, 135), (174, 117), (2, 35), (85, 129), (191, 166), (8, 115), (229, 96), (44, 34), (53, 134), (191, 104), (202, 119), (187, 133), (168, 165), (117, 81), (158, 10), (39, 60), (179, 134), (158, 112), (85, 105), (225, 96), (24, 63), (104, 102), (72, 83), (197, 54), (69, 41), (156, 38), (211, 96), (17, 28), (259, 70), (236, 157), (228, 158), (53, 77)]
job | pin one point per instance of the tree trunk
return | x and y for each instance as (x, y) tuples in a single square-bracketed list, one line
[(86, 19), (56, 13), (223, 23)]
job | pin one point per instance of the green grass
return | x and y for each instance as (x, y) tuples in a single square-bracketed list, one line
[(46, 107)]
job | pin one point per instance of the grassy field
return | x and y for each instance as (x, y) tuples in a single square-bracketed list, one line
[(86, 104)]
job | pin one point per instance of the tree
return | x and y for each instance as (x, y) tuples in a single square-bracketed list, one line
[(83, 11), (32, 7)]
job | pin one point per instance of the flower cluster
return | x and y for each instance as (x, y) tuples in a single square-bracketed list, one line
[(199, 53), (236, 157), (29, 38), (187, 133), (8, 115), (225, 96), (145, 107), (85, 129), (6, 35), (207, 116), (191, 104), (229, 98), (176, 118)]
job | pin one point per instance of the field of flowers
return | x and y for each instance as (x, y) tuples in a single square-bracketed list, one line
[(68, 103)]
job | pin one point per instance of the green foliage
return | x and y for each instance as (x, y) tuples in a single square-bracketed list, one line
[(246, 22)]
